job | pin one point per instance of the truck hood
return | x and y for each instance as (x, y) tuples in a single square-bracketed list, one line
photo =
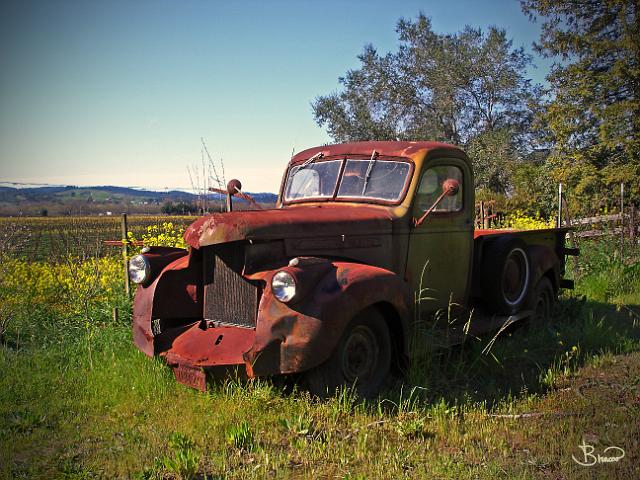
[(285, 223)]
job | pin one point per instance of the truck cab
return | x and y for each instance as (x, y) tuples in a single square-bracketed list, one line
[(368, 241)]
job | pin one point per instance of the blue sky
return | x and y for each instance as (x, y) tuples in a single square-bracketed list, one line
[(120, 92)]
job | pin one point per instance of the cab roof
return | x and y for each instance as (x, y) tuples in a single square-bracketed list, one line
[(383, 148)]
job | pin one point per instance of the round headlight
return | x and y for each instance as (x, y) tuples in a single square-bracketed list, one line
[(139, 269), (283, 286)]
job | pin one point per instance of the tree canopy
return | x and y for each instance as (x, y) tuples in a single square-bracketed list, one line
[(592, 118), (467, 88), (471, 88)]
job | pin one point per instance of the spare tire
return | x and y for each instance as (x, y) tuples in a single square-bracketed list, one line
[(506, 275)]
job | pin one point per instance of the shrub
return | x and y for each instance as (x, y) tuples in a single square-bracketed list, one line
[(165, 234), (521, 221)]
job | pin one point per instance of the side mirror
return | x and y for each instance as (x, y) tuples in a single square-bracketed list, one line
[(450, 187), (234, 188)]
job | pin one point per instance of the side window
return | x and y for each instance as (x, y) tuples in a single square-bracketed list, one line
[(431, 188)]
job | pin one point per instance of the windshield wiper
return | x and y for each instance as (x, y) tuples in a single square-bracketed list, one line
[(311, 160), (367, 175)]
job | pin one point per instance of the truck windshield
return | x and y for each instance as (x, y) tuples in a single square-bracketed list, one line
[(365, 179)]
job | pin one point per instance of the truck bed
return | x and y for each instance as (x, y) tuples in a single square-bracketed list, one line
[(553, 238)]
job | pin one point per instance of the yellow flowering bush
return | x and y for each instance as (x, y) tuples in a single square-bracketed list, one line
[(521, 221), (73, 289), (70, 286), (165, 234)]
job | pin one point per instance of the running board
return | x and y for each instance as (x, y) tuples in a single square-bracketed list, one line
[(479, 325)]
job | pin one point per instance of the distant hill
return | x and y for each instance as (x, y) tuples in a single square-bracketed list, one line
[(72, 199), (101, 193)]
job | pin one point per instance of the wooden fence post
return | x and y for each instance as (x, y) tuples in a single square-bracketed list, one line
[(125, 254), (559, 220), (572, 237)]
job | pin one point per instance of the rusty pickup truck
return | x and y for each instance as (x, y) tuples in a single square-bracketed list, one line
[(367, 240)]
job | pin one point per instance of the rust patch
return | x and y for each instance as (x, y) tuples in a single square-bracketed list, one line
[(301, 335), (191, 376), (304, 221), (204, 346), (384, 148)]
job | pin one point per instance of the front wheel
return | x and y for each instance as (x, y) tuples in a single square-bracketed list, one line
[(362, 359)]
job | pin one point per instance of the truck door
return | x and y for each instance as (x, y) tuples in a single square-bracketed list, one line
[(441, 248)]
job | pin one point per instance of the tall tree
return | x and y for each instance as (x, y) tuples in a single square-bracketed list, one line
[(593, 116), (456, 88)]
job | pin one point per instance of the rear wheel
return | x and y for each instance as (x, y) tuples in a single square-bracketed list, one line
[(506, 272), (542, 301), (362, 359)]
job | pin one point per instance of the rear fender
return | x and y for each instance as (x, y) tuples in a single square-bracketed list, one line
[(303, 334), (544, 259)]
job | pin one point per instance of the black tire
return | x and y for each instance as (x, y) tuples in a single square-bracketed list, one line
[(542, 300), (362, 359), (506, 275)]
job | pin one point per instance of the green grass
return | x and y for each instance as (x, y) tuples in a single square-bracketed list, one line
[(127, 417), (79, 401)]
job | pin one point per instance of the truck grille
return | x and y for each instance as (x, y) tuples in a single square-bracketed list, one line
[(228, 297)]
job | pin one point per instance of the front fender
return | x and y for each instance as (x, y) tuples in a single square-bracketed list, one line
[(174, 293), (302, 335)]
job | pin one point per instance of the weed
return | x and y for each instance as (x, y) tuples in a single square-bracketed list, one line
[(300, 425), (72, 470), (6, 315), (24, 421), (413, 427), (342, 404), (354, 476), (240, 436), (564, 366), (184, 458), (604, 274), (153, 473)]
